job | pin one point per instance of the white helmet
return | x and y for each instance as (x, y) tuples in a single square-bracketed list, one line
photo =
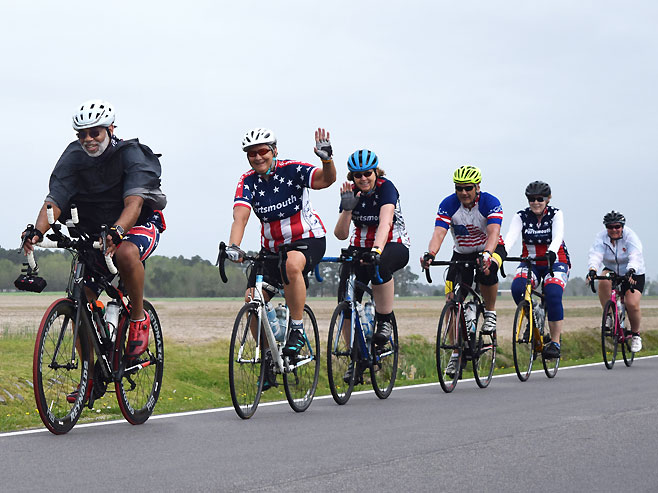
[(93, 113), (258, 136)]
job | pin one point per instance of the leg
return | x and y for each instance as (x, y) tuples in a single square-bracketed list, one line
[(295, 292), (130, 267), (632, 302), (605, 289)]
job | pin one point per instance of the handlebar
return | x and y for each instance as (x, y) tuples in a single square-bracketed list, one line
[(609, 276), (528, 261), (347, 256), (465, 263)]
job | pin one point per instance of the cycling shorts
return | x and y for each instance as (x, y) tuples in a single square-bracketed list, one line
[(468, 273)]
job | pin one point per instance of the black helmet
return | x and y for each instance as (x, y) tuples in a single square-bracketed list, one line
[(540, 188), (614, 217)]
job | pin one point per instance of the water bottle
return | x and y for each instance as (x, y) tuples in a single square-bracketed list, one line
[(274, 322), (112, 311), (366, 326), (621, 313), (282, 316), (369, 309), (538, 313), (469, 316)]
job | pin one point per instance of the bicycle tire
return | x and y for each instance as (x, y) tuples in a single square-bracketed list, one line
[(628, 355), (246, 375), (551, 366), (384, 363), (52, 385), (339, 356), (300, 384), (484, 360), (523, 341), (609, 342), (444, 348), (139, 380)]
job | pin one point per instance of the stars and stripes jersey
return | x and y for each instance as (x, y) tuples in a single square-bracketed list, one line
[(539, 235), (365, 215), (281, 203), (469, 226)]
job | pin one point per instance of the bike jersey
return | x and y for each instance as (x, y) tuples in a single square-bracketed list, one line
[(625, 254), (469, 226), (281, 203), (365, 215), (539, 236)]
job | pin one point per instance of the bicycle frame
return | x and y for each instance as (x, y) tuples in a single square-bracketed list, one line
[(527, 296)]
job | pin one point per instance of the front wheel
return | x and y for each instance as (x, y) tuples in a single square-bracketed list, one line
[(484, 359), (384, 364), (626, 352), (523, 341), (55, 373), (139, 379), (301, 382), (609, 335), (550, 365), (339, 355), (448, 348)]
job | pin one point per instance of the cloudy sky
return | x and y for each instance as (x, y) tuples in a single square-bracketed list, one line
[(559, 91)]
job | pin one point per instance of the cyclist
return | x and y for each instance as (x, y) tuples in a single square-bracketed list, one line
[(541, 227), (474, 218), (619, 249), (372, 203), (277, 191), (113, 182)]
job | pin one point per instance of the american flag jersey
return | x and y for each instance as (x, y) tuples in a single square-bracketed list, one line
[(281, 203), (469, 226), (365, 215), (538, 234)]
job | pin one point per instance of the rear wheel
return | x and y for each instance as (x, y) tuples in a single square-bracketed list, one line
[(523, 341), (608, 335), (626, 352), (384, 365), (55, 376), (301, 382), (448, 342), (339, 355), (140, 382), (245, 368), (484, 359)]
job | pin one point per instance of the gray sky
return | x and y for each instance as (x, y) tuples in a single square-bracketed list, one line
[(560, 91)]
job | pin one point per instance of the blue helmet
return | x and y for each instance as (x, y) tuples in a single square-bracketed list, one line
[(362, 160)]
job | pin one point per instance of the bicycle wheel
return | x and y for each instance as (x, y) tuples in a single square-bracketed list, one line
[(139, 379), (523, 341), (339, 355), (550, 365), (301, 382), (384, 363), (448, 341), (52, 374), (608, 335), (484, 359), (245, 371), (626, 352)]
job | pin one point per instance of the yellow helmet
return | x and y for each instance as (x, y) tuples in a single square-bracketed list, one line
[(467, 174)]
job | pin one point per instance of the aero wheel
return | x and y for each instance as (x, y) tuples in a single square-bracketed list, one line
[(448, 348), (626, 352), (339, 354), (484, 359), (245, 371), (384, 363), (56, 374), (608, 335), (301, 382), (140, 378), (523, 341)]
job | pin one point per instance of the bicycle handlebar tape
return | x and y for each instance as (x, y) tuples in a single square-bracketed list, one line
[(74, 214), (33, 284), (50, 214)]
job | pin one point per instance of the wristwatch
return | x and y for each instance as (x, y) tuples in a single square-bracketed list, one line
[(119, 230)]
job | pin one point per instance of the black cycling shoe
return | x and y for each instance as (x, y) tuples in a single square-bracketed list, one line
[(296, 341), (551, 350), (269, 380), (383, 333), (358, 377)]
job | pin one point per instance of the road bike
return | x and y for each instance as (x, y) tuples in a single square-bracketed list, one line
[(613, 330), (350, 348), (459, 336), (250, 364), (529, 334), (73, 330)]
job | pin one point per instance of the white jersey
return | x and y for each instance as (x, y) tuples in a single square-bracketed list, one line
[(626, 253)]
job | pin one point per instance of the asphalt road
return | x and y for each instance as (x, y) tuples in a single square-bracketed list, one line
[(589, 429)]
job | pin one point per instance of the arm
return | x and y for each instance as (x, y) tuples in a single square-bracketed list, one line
[(42, 224), (240, 218), (323, 178), (635, 258), (342, 229), (437, 239), (595, 254), (132, 208), (386, 212), (493, 235), (514, 232), (558, 232)]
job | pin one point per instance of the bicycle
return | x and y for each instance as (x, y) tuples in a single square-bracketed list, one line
[(73, 330), (613, 330), (460, 333), (528, 334), (349, 354), (252, 335)]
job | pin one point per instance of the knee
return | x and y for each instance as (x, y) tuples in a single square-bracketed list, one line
[(518, 285), (127, 255)]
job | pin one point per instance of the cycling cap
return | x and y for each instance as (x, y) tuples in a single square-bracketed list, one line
[(614, 217), (540, 188), (258, 136), (362, 160), (93, 113), (467, 174)]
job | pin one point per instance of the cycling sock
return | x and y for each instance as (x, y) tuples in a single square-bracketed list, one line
[(382, 317), (297, 323)]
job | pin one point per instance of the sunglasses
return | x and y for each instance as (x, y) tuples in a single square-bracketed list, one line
[(614, 226), (536, 199), (93, 133), (358, 174), (466, 188), (260, 152)]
